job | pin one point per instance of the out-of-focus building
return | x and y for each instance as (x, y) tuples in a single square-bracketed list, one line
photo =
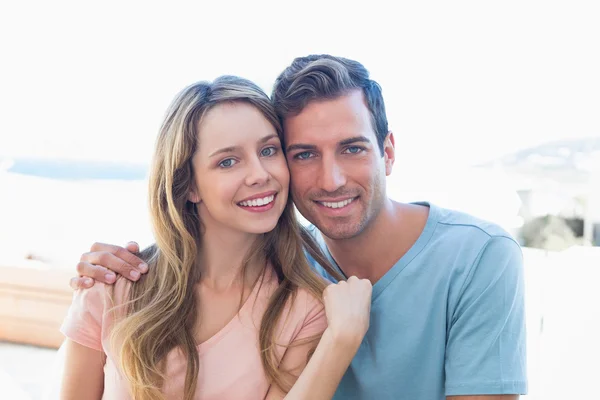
[(559, 178)]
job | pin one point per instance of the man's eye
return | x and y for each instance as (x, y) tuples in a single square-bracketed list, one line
[(304, 155), (354, 149), (227, 163), (268, 151)]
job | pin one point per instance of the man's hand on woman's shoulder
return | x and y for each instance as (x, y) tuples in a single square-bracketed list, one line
[(104, 261)]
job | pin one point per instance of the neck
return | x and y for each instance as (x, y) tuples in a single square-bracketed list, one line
[(368, 255), (222, 255)]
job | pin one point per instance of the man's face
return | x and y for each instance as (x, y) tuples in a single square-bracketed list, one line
[(337, 170)]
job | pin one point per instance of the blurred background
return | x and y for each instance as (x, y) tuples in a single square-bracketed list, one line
[(495, 107)]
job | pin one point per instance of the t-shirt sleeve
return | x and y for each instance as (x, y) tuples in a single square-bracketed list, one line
[(83, 323), (486, 345), (315, 321)]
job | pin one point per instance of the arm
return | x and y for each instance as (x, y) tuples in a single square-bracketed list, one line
[(104, 261), (323, 373), (490, 397), (83, 376), (347, 305), (486, 342), (84, 358)]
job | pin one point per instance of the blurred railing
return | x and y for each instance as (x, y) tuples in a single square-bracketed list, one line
[(34, 299)]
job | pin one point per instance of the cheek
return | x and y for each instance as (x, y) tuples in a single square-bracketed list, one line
[(279, 170), (217, 191), (300, 181), (365, 172), (368, 179), (373, 180)]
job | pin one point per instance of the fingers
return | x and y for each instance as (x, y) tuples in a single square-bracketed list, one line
[(352, 285), (356, 279), (96, 272), (104, 264), (117, 259), (80, 282), (365, 284), (125, 254), (133, 247), (347, 306), (352, 281), (135, 262), (104, 261), (331, 287)]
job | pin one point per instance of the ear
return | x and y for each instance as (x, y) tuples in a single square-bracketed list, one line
[(194, 196), (389, 153)]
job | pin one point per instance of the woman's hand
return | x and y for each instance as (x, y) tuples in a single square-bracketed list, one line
[(348, 308)]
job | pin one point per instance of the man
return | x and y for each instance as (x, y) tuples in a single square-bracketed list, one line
[(447, 316)]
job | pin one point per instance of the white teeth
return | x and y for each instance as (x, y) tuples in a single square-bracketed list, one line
[(257, 202), (338, 204)]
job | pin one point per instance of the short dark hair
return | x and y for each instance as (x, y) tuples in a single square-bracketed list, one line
[(325, 77)]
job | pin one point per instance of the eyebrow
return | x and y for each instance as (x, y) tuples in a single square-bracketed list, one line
[(356, 139), (345, 142), (231, 149), (301, 146)]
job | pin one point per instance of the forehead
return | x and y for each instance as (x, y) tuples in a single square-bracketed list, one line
[(232, 124), (330, 121)]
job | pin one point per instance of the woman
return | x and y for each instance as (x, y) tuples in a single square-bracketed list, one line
[(230, 308)]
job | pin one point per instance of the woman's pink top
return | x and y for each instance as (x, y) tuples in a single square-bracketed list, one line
[(230, 363)]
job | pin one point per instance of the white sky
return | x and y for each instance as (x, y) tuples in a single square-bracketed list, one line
[(463, 80)]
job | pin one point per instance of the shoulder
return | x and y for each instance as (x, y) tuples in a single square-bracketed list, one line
[(485, 257), (467, 236), (468, 225), (101, 297), (300, 302), (462, 245), (481, 236), (307, 302), (309, 315), (304, 317), (85, 319), (91, 314), (94, 298), (119, 292)]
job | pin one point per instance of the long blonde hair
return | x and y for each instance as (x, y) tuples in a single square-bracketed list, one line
[(161, 307)]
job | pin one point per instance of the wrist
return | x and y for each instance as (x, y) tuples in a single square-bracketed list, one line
[(342, 340)]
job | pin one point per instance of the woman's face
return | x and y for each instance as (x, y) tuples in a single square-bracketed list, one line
[(240, 173)]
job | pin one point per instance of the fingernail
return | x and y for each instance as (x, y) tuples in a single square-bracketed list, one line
[(88, 281), (134, 274), (109, 278), (143, 267)]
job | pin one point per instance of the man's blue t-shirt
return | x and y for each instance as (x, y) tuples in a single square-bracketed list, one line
[(447, 319)]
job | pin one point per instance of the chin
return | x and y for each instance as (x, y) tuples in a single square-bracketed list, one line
[(262, 228), (340, 232)]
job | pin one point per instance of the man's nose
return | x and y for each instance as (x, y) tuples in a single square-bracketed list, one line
[(332, 176)]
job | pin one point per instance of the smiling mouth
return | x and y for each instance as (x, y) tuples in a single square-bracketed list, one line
[(336, 204), (260, 202)]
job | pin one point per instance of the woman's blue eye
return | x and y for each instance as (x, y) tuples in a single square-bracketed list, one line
[(267, 151), (227, 163)]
